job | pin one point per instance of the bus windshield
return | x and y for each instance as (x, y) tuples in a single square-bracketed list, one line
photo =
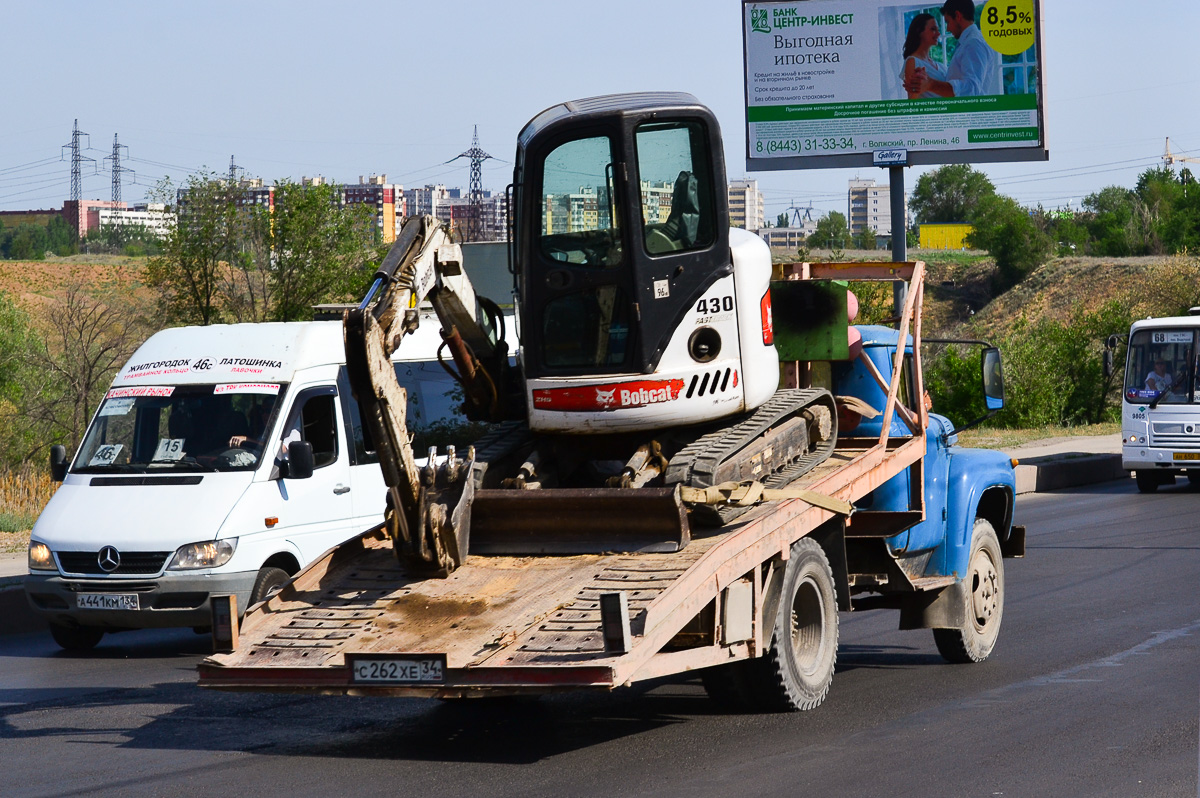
[(1162, 367), (183, 428)]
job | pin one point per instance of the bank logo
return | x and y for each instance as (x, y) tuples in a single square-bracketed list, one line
[(760, 21)]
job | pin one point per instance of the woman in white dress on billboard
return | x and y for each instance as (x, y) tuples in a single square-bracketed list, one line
[(923, 33)]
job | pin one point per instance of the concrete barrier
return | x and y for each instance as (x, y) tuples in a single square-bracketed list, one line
[(1055, 472)]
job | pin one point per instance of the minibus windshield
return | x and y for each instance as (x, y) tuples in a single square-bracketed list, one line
[(180, 428)]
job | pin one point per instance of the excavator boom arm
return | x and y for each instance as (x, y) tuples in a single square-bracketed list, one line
[(423, 264)]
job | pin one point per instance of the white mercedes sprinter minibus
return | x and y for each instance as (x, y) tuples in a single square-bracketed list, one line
[(183, 487)]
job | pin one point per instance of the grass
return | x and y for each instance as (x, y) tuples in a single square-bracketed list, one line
[(23, 494), (1009, 438)]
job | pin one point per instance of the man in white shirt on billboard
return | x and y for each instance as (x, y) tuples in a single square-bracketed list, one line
[(975, 67)]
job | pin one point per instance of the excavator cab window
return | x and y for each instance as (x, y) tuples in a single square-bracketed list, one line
[(579, 213), (587, 328), (586, 318), (676, 188)]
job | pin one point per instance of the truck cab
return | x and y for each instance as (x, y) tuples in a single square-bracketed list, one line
[(924, 525)]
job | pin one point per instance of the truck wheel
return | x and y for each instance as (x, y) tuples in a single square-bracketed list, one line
[(1147, 481), (797, 669), (269, 582), (985, 601), (76, 638)]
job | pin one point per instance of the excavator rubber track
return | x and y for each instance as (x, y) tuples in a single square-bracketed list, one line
[(700, 463)]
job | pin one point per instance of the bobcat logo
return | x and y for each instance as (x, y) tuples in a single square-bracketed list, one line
[(606, 397)]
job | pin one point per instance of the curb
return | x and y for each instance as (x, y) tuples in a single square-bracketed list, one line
[(1054, 472)]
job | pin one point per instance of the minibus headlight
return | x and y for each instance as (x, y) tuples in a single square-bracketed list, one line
[(40, 558), (205, 554)]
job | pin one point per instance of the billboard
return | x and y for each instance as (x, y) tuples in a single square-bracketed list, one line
[(832, 83)]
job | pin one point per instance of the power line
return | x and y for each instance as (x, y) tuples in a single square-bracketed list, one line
[(77, 160), (116, 170), (475, 192)]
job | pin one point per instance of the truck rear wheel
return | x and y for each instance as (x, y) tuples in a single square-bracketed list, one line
[(797, 669), (76, 638), (984, 597)]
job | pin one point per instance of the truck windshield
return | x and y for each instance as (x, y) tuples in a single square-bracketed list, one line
[(180, 429), (1161, 366)]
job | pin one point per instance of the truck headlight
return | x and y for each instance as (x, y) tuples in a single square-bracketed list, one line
[(205, 554), (40, 558)]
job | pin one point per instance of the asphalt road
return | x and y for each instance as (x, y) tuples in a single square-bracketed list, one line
[(1093, 690)]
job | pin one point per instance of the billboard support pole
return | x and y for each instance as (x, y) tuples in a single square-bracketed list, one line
[(899, 233)]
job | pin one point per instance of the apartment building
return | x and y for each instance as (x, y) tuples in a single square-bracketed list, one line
[(746, 205), (870, 205)]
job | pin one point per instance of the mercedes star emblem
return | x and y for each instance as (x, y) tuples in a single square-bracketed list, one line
[(109, 559)]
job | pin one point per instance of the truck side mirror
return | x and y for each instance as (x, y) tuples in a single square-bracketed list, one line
[(993, 379), (299, 463), (58, 462)]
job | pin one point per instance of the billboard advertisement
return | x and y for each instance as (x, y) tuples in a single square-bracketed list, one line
[(892, 82)]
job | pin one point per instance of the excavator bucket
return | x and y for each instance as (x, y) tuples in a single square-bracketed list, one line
[(578, 521)]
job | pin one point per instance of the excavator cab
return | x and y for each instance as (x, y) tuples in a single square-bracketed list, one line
[(621, 226)]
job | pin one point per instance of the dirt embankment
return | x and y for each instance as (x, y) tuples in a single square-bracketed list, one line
[(34, 284)]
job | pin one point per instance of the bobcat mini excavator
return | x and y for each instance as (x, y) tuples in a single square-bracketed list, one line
[(646, 363)]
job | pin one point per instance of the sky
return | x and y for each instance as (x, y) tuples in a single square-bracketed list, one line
[(302, 88)]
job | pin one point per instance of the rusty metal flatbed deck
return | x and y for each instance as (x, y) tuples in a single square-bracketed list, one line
[(522, 624)]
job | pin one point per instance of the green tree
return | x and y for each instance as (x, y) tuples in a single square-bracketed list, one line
[(26, 242), (781, 220), (196, 254), (60, 237), (831, 232), (1010, 235), (1181, 233), (1113, 222), (949, 193), (865, 238), (317, 247)]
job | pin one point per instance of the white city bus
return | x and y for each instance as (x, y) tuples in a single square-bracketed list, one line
[(1160, 414)]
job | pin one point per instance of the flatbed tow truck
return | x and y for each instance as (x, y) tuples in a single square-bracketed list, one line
[(890, 519)]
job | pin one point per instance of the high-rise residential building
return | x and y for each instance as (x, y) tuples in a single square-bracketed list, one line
[(746, 205), (425, 201), (454, 212), (869, 205), (386, 200)]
